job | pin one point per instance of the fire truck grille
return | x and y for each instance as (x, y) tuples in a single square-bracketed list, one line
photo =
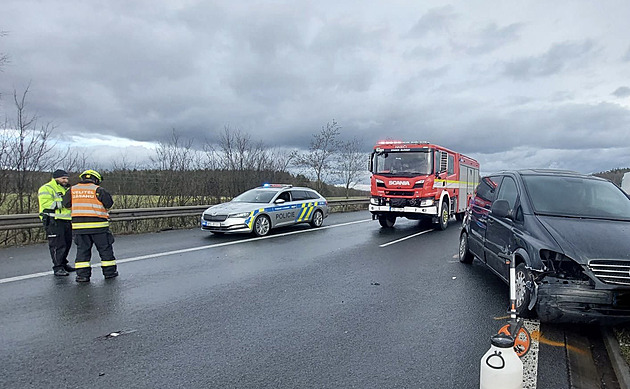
[(399, 193), (611, 271), (214, 218)]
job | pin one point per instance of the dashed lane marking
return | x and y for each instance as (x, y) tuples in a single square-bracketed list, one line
[(405, 238), (188, 250)]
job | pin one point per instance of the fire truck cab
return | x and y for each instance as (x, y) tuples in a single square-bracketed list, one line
[(420, 181)]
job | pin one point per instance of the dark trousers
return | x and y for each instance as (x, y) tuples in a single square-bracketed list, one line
[(59, 233), (103, 242)]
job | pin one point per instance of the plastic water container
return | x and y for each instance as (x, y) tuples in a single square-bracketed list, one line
[(501, 368)]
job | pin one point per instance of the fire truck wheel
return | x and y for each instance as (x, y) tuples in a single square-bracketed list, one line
[(444, 216), (386, 221), (262, 225), (318, 219), (465, 256)]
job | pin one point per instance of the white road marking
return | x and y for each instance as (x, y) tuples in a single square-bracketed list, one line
[(405, 238), (530, 360), (188, 250)]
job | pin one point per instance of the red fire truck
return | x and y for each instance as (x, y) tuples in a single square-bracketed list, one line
[(420, 181)]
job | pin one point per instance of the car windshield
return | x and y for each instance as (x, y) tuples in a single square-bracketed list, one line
[(255, 196), (413, 163), (577, 197)]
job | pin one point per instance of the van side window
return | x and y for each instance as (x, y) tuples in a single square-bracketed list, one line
[(487, 187), (508, 191)]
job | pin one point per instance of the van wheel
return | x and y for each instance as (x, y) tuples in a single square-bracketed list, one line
[(387, 221), (465, 256), (523, 293), (444, 216), (318, 219), (262, 225)]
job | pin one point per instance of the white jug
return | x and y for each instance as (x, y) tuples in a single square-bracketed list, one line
[(501, 368)]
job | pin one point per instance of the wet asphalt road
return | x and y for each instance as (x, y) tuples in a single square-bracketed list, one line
[(325, 308)]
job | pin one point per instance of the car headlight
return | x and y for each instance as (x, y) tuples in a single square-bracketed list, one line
[(374, 200), (241, 215), (427, 202)]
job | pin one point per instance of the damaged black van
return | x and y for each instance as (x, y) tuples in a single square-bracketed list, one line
[(569, 234)]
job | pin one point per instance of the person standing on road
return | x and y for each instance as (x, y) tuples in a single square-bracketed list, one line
[(56, 220), (90, 206)]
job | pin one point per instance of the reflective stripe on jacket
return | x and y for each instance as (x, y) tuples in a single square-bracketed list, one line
[(50, 197), (87, 209)]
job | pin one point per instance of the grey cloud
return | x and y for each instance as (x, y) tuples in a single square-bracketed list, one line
[(626, 57), (622, 91), (425, 80), (424, 52), (493, 37), (585, 160), (435, 20), (279, 71), (558, 58)]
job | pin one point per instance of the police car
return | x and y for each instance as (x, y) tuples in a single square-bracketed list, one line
[(269, 206)]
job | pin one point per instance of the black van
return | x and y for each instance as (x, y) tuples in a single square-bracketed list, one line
[(570, 235)]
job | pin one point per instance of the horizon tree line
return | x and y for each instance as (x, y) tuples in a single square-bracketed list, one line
[(178, 173)]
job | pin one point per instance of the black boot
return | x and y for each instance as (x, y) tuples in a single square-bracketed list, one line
[(61, 272)]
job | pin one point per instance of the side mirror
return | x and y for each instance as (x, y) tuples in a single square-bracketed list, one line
[(279, 201), (501, 208)]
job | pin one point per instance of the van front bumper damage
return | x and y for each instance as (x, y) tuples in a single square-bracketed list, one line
[(562, 301)]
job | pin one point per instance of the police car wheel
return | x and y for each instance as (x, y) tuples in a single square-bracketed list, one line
[(318, 219), (262, 225)]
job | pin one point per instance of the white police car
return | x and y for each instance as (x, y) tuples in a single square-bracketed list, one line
[(269, 206)]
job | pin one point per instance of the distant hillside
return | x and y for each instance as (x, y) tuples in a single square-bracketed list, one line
[(614, 175)]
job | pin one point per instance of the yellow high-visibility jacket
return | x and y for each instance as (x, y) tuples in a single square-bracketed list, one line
[(50, 197)]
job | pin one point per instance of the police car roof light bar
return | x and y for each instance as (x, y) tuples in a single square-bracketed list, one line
[(266, 185)]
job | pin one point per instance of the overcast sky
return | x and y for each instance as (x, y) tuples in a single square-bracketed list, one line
[(514, 84)]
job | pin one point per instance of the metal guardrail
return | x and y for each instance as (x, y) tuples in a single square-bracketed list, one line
[(31, 220)]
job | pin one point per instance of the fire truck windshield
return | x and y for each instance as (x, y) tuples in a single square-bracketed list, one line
[(402, 163)]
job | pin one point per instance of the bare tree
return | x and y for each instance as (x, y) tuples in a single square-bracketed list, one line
[(4, 57), (31, 150), (240, 152), (320, 154), (243, 158), (4, 163), (280, 159), (172, 158), (350, 163), (211, 158)]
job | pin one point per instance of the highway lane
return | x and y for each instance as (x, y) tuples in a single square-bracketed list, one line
[(336, 307)]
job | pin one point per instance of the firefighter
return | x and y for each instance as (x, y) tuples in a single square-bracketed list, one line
[(90, 225), (56, 220)]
